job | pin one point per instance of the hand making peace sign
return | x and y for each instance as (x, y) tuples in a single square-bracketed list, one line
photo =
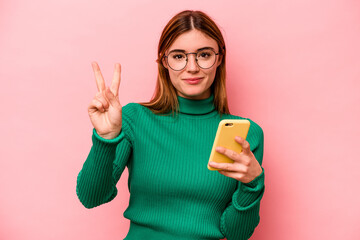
[(105, 108)]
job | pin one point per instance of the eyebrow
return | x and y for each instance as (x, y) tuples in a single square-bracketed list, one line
[(181, 50)]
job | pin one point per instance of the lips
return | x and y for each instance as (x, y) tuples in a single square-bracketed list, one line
[(193, 80)]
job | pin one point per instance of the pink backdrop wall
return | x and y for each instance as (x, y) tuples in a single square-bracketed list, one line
[(293, 67)]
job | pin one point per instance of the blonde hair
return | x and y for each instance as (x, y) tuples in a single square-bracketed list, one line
[(164, 99)]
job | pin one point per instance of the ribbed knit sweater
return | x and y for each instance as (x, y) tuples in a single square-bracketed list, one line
[(173, 195)]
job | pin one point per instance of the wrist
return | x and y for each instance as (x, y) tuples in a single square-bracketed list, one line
[(109, 136), (258, 179)]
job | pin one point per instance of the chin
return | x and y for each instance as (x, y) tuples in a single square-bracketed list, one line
[(194, 94)]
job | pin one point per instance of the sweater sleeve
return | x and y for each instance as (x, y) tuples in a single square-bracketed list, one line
[(241, 216), (96, 182)]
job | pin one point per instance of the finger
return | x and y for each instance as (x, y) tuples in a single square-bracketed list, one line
[(235, 175), (100, 96), (244, 144), (100, 83), (224, 166), (96, 106), (238, 176), (112, 99), (229, 153), (115, 84)]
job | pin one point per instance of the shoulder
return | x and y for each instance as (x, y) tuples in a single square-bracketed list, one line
[(255, 129), (132, 110), (130, 113)]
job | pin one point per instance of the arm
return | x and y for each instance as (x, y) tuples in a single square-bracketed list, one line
[(96, 182), (241, 216)]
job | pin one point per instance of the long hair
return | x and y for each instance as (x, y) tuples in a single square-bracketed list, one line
[(164, 99)]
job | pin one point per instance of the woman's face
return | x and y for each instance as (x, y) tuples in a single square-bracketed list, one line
[(193, 82)]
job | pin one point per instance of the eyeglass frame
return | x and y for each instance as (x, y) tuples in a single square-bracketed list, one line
[(186, 54)]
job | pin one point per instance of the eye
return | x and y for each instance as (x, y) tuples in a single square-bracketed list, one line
[(205, 54), (178, 56)]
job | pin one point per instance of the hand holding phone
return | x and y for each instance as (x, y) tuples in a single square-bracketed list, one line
[(227, 130)]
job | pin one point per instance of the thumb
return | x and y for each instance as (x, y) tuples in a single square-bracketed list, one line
[(112, 99)]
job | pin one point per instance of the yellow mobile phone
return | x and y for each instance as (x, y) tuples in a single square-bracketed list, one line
[(227, 130)]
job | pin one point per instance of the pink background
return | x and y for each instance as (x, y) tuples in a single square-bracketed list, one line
[(293, 67)]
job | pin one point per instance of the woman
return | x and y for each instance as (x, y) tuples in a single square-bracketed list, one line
[(166, 144)]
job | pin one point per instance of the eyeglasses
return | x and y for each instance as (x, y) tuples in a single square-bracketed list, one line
[(177, 60)]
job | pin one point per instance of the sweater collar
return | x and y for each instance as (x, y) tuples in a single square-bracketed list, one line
[(196, 107)]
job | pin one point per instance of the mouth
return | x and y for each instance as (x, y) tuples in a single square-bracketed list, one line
[(193, 80)]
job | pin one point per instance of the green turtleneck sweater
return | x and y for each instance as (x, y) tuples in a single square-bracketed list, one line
[(173, 195)]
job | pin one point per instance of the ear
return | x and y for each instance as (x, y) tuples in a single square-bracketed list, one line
[(164, 63), (219, 60)]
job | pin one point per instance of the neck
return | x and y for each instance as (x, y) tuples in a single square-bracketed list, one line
[(196, 107), (202, 96)]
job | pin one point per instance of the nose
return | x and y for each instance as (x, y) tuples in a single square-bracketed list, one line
[(192, 65)]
